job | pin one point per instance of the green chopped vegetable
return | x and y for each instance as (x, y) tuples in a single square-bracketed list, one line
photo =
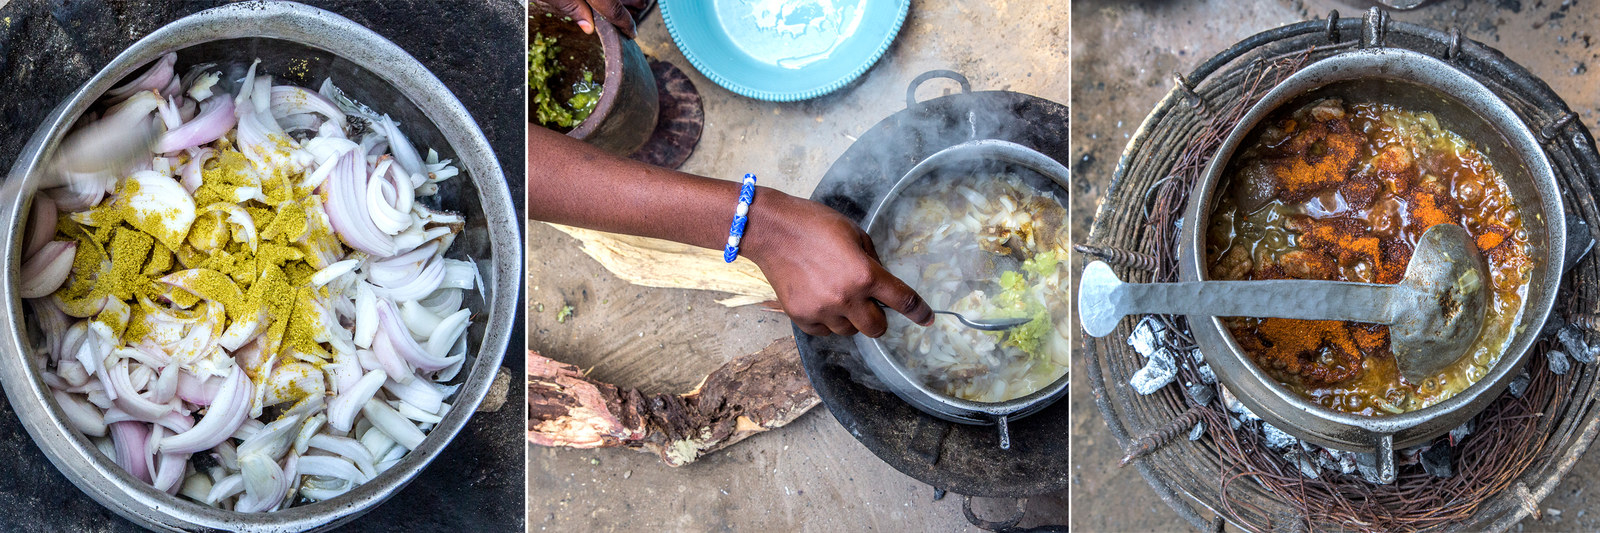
[(542, 70), (564, 314), (1016, 299)]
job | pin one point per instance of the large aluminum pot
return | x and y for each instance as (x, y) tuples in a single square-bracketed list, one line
[(982, 157), (1420, 82), (370, 69)]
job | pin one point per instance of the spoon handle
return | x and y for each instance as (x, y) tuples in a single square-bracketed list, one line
[(1104, 299)]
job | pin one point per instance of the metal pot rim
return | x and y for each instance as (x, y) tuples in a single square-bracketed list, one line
[(876, 355), (99, 477), (1355, 432)]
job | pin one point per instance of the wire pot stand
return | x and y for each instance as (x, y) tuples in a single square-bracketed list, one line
[(1521, 446)]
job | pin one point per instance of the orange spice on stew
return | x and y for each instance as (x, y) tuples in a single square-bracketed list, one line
[(1343, 192)]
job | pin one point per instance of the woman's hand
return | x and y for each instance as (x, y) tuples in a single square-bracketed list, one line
[(824, 268), (584, 11)]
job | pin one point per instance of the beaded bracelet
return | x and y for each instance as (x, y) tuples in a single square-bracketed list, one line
[(747, 194)]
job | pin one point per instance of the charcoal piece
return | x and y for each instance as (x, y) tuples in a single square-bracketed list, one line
[(1519, 385), (1201, 393), (1199, 429), (1439, 461)]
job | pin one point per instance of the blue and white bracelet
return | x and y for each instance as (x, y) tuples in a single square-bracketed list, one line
[(741, 214)]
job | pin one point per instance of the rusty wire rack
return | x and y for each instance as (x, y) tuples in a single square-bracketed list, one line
[(1522, 446)]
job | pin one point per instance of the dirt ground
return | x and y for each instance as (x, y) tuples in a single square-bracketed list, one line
[(811, 475), (1124, 55)]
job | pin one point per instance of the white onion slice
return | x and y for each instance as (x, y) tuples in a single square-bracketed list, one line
[(47, 270), (342, 410), (224, 416), (391, 423)]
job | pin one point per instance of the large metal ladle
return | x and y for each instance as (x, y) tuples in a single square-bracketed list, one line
[(1434, 314)]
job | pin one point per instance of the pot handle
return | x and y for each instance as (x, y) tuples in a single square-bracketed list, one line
[(1383, 459), (1005, 431), (911, 92)]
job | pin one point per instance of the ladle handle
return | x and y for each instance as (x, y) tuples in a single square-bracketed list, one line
[(1104, 299)]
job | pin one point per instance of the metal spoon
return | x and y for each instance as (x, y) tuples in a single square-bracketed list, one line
[(997, 324), (1435, 313)]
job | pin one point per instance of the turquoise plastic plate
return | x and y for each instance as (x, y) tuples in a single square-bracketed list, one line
[(783, 50)]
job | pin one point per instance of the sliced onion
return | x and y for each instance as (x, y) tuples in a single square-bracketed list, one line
[(216, 118), (391, 423), (407, 347), (47, 270), (200, 90), (129, 399), (404, 153), (418, 319), (169, 471), (421, 286), (347, 209), (223, 418), (41, 225), (155, 78), (342, 410), (196, 390), (83, 416), (273, 439), (366, 315), (460, 275), (175, 421), (450, 328), (345, 447), (225, 488), (131, 447), (191, 171), (388, 356), (290, 100), (322, 277), (334, 467)]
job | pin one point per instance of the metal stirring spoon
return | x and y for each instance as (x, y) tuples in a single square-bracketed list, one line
[(1434, 314), (997, 324)]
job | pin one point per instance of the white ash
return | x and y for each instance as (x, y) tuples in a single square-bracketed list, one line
[(1147, 336), (1559, 365), (1159, 371), (1207, 376), (1277, 439), (1199, 429), (1308, 466), (1368, 472), (1347, 462), (1460, 432), (1237, 407)]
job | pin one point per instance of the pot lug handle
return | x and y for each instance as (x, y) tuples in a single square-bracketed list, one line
[(1383, 459), (1005, 431), (911, 92)]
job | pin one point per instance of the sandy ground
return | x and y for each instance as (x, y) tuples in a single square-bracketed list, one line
[(811, 475), (1124, 57)]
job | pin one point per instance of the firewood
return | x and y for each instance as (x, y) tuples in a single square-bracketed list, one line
[(748, 395)]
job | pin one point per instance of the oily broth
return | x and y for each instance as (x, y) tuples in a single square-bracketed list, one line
[(952, 240), (1406, 173)]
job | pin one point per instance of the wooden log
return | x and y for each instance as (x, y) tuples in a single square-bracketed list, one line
[(669, 265), (749, 395)]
